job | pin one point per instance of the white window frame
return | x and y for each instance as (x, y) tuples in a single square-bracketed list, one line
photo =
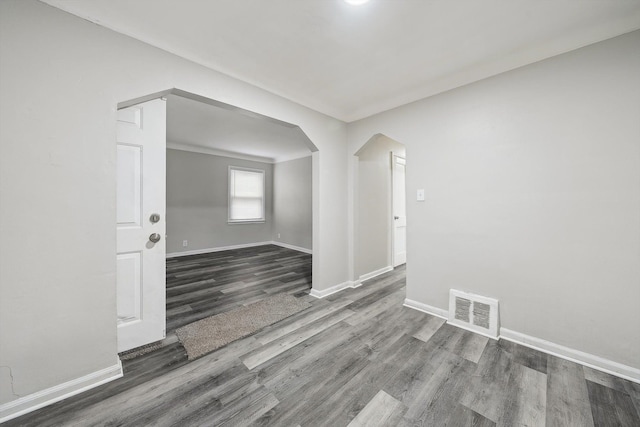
[(264, 196)]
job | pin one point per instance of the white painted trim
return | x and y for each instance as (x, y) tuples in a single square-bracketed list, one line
[(231, 169), (40, 399), (293, 247), (429, 309), (334, 289), (375, 273), (284, 159), (577, 356), (242, 246), (586, 359), (218, 249), (215, 152)]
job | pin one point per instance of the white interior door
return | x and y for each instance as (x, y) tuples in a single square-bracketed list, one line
[(141, 169), (399, 211)]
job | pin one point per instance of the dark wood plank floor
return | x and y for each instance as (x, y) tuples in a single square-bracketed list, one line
[(355, 358)]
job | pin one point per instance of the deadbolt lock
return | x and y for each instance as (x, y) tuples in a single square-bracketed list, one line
[(154, 218)]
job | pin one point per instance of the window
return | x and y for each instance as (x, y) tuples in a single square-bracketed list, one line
[(246, 195)]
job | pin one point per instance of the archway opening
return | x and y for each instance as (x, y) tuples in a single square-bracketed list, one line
[(380, 205)]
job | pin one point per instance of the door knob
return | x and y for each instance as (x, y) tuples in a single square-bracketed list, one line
[(155, 237)]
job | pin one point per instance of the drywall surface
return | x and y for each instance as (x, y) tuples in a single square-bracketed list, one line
[(374, 232), (532, 182), (61, 79), (292, 203), (198, 203)]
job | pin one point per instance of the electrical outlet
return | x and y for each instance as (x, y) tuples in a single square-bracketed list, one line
[(278, 235), (185, 243)]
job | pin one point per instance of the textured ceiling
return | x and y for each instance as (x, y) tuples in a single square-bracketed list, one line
[(354, 61)]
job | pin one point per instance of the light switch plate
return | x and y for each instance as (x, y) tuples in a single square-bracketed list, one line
[(420, 195)]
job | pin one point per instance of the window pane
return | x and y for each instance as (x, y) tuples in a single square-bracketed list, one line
[(246, 208), (247, 184)]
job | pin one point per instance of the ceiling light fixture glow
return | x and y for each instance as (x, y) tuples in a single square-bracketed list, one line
[(356, 2)]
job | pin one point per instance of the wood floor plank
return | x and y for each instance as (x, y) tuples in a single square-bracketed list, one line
[(382, 410), (525, 356), (299, 320), (290, 340), (406, 384), (567, 395), (344, 404), (374, 337), (351, 398), (207, 390), (372, 310), (379, 292), (611, 407), (356, 357), (435, 402), (447, 337), (457, 341), (128, 404), (299, 400), (429, 328), (471, 346), (633, 389), (465, 417), (251, 413), (210, 414), (487, 391), (291, 372), (605, 379), (526, 403)]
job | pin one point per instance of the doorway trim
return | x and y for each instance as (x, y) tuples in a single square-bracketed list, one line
[(357, 273), (315, 155)]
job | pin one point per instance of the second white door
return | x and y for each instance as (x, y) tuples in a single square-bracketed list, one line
[(399, 211)]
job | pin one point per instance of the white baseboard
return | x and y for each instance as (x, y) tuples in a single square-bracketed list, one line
[(348, 284), (548, 347), (332, 290), (242, 246), (429, 309), (295, 248), (31, 402), (375, 273), (577, 356), (218, 249)]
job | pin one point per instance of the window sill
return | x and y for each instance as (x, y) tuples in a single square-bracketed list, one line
[(262, 221)]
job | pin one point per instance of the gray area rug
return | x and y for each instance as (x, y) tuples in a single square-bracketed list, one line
[(206, 335)]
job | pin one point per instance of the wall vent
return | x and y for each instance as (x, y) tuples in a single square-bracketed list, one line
[(474, 312)]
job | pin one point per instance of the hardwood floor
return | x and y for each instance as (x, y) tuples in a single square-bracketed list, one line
[(356, 358)]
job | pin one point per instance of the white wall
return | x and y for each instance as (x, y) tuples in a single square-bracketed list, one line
[(61, 79), (374, 204), (292, 203), (198, 203), (532, 182)]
